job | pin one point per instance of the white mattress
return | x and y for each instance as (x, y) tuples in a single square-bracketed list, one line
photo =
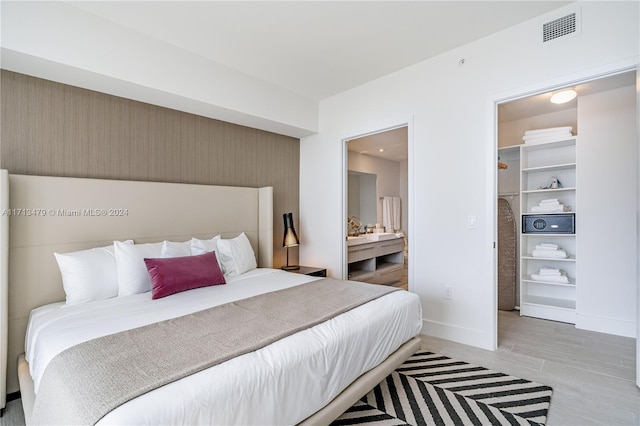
[(282, 383)]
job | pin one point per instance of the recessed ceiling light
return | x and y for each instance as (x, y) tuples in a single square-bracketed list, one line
[(563, 97), (381, 150)]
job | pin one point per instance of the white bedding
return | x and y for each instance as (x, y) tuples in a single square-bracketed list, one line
[(283, 383)]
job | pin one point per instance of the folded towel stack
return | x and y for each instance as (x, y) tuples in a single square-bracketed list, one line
[(553, 134), (548, 246), (550, 205), (549, 251), (551, 275)]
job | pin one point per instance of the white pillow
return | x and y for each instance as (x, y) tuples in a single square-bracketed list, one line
[(206, 246), (175, 249), (133, 277), (89, 274), (236, 255)]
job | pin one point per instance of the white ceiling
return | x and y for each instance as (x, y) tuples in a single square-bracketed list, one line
[(394, 144), (540, 104), (317, 48)]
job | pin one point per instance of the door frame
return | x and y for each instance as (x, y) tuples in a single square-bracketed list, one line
[(345, 190), (560, 83)]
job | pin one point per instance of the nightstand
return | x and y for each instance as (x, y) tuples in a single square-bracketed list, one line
[(310, 270)]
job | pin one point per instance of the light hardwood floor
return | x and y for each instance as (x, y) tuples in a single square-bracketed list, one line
[(592, 374)]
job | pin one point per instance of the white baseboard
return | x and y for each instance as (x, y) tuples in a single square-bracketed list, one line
[(467, 336), (614, 326)]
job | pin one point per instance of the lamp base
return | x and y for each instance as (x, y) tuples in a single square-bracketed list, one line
[(290, 267)]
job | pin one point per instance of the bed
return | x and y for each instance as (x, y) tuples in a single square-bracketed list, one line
[(310, 376)]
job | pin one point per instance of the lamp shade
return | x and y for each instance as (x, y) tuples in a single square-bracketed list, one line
[(290, 238)]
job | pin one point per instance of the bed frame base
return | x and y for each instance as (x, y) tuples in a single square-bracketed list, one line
[(27, 393), (324, 416), (362, 385)]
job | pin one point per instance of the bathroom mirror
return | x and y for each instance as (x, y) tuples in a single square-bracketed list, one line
[(362, 197)]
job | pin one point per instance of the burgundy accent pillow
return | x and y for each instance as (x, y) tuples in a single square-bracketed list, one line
[(176, 274)]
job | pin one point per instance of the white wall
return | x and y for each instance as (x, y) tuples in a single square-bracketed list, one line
[(42, 39), (450, 112), (606, 212)]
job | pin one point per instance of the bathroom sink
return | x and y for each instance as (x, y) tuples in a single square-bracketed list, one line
[(367, 238), (381, 236)]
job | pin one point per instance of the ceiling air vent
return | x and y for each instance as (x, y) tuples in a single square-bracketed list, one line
[(559, 28)]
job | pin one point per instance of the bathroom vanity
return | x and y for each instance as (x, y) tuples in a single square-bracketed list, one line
[(376, 258)]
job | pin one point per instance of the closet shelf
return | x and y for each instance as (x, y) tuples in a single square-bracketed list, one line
[(529, 235), (537, 191), (538, 164), (549, 168), (531, 257), (572, 282), (549, 145), (547, 213), (550, 302)]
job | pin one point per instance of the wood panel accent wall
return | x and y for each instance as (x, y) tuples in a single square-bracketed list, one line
[(54, 129)]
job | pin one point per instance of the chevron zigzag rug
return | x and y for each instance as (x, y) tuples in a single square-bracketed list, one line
[(431, 389)]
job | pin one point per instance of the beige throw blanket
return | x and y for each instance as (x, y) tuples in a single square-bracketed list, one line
[(86, 381)]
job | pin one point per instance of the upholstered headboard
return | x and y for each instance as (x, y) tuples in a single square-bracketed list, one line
[(54, 214)]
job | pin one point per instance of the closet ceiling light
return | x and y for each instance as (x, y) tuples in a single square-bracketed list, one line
[(563, 97), (381, 150)]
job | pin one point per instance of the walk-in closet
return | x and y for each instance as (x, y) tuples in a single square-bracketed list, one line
[(566, 207)]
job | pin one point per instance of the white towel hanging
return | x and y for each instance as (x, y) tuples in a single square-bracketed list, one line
[(391, 214)]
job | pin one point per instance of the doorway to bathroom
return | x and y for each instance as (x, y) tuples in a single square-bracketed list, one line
[(377, 213)]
